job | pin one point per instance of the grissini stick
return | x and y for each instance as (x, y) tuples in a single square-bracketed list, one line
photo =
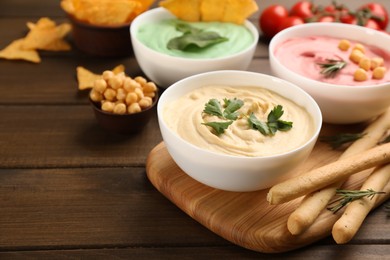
[(314, 203), (328, 174), (349, 223)]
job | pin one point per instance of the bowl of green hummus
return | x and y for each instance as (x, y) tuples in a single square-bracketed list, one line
[(169, 49)]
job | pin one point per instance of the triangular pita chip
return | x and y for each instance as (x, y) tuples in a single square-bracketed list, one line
[(187, 10), (86, 78), (14, 51)]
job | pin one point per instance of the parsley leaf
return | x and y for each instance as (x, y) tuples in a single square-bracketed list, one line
[(231, 107), (273, 124), (230, 113), (193, 37), (213, 107), (256, 124), (219, 127)]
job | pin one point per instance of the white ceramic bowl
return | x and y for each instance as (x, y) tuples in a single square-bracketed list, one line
[(227, 172), (164, 69), (340, 104)]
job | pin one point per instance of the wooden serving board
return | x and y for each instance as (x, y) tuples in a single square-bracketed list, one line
[(244, 218)]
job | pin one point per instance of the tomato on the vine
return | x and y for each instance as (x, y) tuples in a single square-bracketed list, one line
[(290, 21), (379, 14), (326, 19), (373, 24), (303, 9), (271, 19)]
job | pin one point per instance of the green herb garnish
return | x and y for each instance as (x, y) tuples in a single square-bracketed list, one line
[(347, 196), (229, 111), (273, 124), (219, 127), (336, 141), (193, 37), (331, 67)]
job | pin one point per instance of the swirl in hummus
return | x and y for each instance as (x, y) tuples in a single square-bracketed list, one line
[(185, 117)]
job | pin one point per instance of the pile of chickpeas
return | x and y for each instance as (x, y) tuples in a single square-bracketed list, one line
[(121, 94), (376, 64)]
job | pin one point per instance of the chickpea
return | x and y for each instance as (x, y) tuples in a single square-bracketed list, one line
[(149, 87), (139, 93), (376, 62), (145, 102), (359, 47), (130, 84), (108, 74), (121, 94), (95, 96), (344, 45), (356, 55), (360, 75), (140, 80), (131, 98), (119, 108), (108, 106), (365, 63), (152, 94), (100, 85), (109, 94), (115, 82), (134, 108), (379, 72)]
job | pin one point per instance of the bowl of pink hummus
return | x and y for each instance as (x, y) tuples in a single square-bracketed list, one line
[(345, 68)]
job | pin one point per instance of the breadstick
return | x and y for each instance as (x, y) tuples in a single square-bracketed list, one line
[(328, 174), (349, 223), (313, 203)]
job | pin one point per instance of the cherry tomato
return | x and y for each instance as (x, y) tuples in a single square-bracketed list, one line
[(290, 21), (271, 18), (378, 10), (347, 18), (302, 9), (326, 19), (370, 23), (373, 24), (331, 9)]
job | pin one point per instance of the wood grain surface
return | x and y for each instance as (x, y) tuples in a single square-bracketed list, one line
[(245, 218)]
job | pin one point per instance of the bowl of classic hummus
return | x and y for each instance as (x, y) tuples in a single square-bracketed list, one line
[(345, 68), (238, 130), (152, 31)]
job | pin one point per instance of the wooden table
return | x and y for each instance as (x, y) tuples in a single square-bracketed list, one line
[(69, 189)]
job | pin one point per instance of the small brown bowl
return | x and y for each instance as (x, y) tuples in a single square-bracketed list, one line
[(99, 40), (124, 124)]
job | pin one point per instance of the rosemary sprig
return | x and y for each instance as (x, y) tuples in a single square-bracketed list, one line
[(347, 196), (331, 67), (336, 141)]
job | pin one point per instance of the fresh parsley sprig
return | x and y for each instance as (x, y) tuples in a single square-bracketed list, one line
[(231, 113), (273, 123)]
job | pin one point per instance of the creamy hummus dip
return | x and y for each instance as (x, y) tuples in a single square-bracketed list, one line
[(302, 56), (156, 35), (185, 117)]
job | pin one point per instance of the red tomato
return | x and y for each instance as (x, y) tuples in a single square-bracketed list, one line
[(271, 18), (373, 24), (370, 23), (326, 19), (290, 21), (303, 9), (380, 11), (347, 18)]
